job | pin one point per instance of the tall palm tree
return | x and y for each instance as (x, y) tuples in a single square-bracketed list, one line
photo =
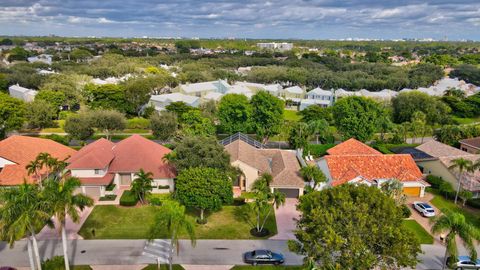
[(62, 201), (462, 166), (265, 200), (142, 185), (454, 224), (171, 215), (23, 210), (33, 168)]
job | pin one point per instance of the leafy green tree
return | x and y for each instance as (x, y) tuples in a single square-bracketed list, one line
[(107, 97), (18, 54), (171, 215), (234, 113), (406, 104), (23, 210), (321, 130), (141, 186), (313, 113), (356, 117), (299, 135), (40, 114), (79, 126), (424, 75), (138, 92), (203, 189), (394, 189), (12, 114), (267, 114), (109, 121), (384, 125), (193, 152), (455, 225), (55, 99), (357, 227), (179, 108), (194, 124), (449, 134), (164, 125), (62, 201), (468, 73), (313, 174), (3, 82), (79, 54)]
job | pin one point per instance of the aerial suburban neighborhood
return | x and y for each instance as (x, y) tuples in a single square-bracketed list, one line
[(239, 135)]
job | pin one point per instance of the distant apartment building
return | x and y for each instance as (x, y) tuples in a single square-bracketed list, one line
[(274, 46)]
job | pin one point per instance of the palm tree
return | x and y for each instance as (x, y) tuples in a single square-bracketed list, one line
[(171, 215), (313, 174), (265, 200), (33, 168), (142, 185), (454, 224), (462, 166), (23, 210), (62, 201)]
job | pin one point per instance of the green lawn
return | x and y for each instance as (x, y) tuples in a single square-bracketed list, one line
[(290, 115), (116, 222), (471, 215), (163, 267), (465, 121), (268, 267), (423, 236)]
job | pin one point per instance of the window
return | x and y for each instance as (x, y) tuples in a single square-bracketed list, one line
[(97, 171)]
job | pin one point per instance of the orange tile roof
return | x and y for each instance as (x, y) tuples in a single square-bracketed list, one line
[(371, 167), (96, 155), (352, 147), (23, 149)]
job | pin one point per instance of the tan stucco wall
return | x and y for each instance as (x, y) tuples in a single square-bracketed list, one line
[(435, 167), (251, 174), (469, 149)]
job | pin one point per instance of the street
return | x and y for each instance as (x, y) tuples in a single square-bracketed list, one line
[(206, 252)]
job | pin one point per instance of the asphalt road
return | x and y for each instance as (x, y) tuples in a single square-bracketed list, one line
[(206, 252)]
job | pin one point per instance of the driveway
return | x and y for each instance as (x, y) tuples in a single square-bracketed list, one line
[(72, 228), (286, 216)]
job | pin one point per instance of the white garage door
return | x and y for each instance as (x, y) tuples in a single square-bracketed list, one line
[(93, 192)]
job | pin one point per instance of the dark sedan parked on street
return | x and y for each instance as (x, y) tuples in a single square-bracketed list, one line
[(262, 256)]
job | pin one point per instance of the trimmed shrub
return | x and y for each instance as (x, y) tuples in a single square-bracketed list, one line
[(128, 199), (434, 181), (155, 201), (406, 213), (58, 138), (318, 150), (110, 187), (163, 187), (108, 198), (64, 114), (138, 123)]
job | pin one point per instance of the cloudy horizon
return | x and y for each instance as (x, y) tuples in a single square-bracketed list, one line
[(282, 19)]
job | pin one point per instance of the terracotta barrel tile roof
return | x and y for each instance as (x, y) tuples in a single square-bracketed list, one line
[(23, 149), (352, 147)]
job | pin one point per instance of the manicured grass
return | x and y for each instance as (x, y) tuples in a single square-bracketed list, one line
[(471, 215), (291, 115), (423, 236), (466, 121), (163, 267), (268, 267), (116, 222)]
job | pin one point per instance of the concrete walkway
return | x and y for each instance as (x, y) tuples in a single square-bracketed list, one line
[(286, 216), (72, 228), (207, 267)]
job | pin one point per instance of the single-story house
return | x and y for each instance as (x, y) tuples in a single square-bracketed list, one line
[(355, 162), (203, 88), (471, 146), (25, 94), (103, 163), (16, 152), (442, 157), (253, 162), (159, 102)]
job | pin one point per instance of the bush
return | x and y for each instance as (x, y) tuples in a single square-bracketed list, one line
[(111, 197), (475, 203), (128, 199), (110, 187), (406, 213), (64, 114), (138, 123), (434, 181), (318, 150), (55, 263), (238, 201), (58, 138), (155, 201), (163, 187)]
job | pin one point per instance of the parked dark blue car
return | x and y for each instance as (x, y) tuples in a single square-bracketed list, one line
[(263, 256)]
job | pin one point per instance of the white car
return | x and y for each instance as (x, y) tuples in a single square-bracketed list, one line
[(424, 208), (464, 262)]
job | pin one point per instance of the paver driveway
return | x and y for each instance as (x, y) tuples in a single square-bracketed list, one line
[(286, 216)]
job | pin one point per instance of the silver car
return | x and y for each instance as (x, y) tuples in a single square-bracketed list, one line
[(464, 262), (424, 208)]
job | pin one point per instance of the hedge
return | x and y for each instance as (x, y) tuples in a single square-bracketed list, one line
[(128, 199), (138, 123), (318, 150), (446, 189)]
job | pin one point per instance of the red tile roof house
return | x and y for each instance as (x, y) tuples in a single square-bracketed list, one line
[(103, 162), (17, 151), (355, 162)]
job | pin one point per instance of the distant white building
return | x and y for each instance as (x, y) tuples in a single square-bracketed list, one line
[(42, 58), (159, 102), (294, 93), (111, 80), (25, 94), (283, 46), (203, 88)]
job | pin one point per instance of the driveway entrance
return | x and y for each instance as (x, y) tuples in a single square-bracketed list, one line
[(286, 216)]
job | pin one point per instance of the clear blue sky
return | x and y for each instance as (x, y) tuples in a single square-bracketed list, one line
[(306, 19)]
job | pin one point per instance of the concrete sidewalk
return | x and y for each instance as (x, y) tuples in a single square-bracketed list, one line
[(72, 228)]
